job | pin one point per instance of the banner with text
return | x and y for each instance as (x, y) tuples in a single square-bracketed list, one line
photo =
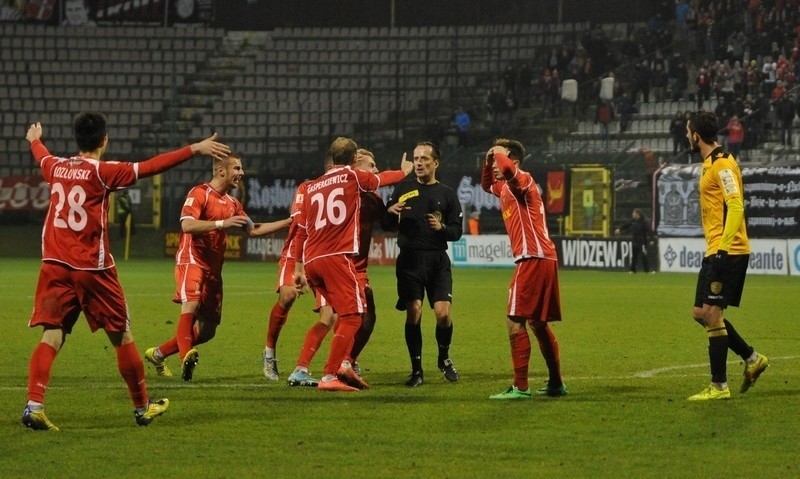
[(685, 255), (771, 194), (24, 193), (575, 253)]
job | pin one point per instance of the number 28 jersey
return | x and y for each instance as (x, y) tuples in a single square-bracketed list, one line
[(75, 230)]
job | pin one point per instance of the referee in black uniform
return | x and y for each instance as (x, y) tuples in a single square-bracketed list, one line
[(426, 214)]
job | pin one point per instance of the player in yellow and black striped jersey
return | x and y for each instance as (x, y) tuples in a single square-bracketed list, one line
[(722, 274)]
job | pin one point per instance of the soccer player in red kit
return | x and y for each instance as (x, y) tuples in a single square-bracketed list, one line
[(328, 237), (209, 210), (371, 211), (533, 294), (287, 290), (78, 273)]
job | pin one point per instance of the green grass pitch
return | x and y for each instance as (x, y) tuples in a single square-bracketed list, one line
[(631, 356)]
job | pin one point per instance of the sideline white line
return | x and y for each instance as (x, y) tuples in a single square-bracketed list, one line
[(653, 372), (648, 374)]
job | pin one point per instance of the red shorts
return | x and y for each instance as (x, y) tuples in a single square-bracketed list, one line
[(533, 292), (193, 283), (335, 279), (363, 282), (285, 272), (62, 293)]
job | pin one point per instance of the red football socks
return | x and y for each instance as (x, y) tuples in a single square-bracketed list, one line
[(548, 345), (132, 370), (342, 341), (186, 334), (39, 371), (520, 357), (314, 338), (277, 318)]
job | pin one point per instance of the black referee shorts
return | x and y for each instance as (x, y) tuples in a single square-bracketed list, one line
[(420, 271)]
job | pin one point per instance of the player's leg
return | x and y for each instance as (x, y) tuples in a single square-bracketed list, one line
[(413, 336), (709, 303), (755, 362), (535, 295), (206, 318), (334, 277), (346, 327), (548, 346), (440, 296), (314, 337), (520, 344), (56, 309), (131, 368), (347, 372), (39, 369), (410, 291), (188, 283), (367, 326), (287, 294)]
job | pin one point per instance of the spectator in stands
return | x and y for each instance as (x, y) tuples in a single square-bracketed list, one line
[(785, 112), (677, 128), (641, 83), (703, 82), (77, 14), (630, 48), (779, 91), (124, 211), (736, 131), (678, 77), (463, 123), (512, 106), (753, 78), (626, 109), (524, 85), (603, 117), (659, 82), (681, 15), (769, 75), (546, 92), (736, 43), (510, 78), (724, 112), (474, 223), (495, 103), (555, 93), (759, 116)]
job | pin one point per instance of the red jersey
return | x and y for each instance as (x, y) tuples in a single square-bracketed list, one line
[(291, 235), (206, 250), (522, 209), (371, 211), (329, 220), (75, 229)]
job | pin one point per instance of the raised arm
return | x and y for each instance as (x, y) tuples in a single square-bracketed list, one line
[(34, 137), (158, 164)]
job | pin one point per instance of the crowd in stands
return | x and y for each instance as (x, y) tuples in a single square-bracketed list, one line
[(740, 58)]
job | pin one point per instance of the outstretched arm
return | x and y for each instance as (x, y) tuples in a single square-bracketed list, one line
[(158, 164), (267, 228)]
